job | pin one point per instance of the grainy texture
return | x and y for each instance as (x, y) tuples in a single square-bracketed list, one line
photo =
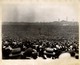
[(68, 61)]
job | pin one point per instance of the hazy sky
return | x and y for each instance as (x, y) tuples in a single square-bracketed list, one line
[(38, 13)]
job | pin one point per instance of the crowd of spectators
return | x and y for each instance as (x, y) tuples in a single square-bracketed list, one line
[(27, 48)]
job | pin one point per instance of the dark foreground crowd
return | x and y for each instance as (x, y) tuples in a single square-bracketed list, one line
[(27, 49)]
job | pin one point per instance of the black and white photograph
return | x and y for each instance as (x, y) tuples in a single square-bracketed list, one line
[(39, 31)]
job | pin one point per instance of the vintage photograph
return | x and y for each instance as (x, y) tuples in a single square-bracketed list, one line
[(39, 31)]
